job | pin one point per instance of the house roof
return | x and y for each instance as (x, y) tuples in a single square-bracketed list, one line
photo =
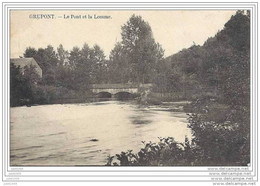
[(22, 62)]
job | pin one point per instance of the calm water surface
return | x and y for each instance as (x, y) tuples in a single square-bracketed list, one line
[(85, 134)]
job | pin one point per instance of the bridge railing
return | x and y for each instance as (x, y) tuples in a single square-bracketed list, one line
[(119, 86)]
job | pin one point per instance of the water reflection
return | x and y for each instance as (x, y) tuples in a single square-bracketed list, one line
[(139, 120), (85, 134)]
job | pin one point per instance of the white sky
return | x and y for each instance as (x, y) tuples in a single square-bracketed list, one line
[(174, 30)]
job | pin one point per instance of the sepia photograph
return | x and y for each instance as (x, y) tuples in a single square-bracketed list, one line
[(129, 87)]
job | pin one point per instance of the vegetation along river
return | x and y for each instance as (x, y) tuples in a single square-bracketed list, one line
[(85, 134)]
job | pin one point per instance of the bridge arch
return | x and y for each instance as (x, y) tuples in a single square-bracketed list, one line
[(104, 94), (115, 91), (124, 95)]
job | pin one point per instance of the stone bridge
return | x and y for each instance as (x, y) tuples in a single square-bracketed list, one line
[(118, 88)]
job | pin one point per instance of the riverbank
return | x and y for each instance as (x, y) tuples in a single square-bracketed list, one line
[(45, 95)]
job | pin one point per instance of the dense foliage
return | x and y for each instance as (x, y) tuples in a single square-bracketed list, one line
[(216, 76), (166, 152), (21, 84), (219, 67), (74, 70)]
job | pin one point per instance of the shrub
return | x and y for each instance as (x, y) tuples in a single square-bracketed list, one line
[(166, 152)]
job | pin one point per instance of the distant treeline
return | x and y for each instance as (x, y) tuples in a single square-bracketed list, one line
[(133, 60), (217, 68)]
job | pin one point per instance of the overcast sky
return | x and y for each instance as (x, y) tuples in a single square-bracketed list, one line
[(174, 30)]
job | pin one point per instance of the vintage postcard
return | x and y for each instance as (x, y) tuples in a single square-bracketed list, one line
[(133, 87)]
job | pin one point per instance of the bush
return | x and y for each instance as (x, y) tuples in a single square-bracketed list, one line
[(47, 94), (166, 152)]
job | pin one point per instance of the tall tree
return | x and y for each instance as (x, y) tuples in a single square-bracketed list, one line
[(62, 55), (74, 57), (83, 68), (141, 51), (118, 68), (99, 68), (30, 52), (48, 61)]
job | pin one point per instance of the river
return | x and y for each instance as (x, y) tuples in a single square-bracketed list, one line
[(85, 134)]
